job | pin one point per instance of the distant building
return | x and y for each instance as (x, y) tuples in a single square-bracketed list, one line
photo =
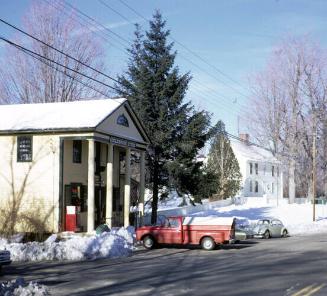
[(57, 156), (261, 172)]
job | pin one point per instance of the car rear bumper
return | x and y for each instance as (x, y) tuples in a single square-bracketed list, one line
[(258, 235)]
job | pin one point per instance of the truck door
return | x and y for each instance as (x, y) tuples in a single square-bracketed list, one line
[(172, 231)]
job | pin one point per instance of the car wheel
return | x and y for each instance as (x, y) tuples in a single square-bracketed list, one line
[(284, 233), (266, 235), (148, 242), (208, 244)]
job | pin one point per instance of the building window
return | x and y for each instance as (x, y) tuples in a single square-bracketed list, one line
[(77, 151), (272, 187), (251, 168), (256, 168), (24, 148), (273, 171), (251, 189), (256, 189), (122, 120)]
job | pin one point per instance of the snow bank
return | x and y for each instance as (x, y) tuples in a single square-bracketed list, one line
[(117, 243), (296, 217), (19, 287)]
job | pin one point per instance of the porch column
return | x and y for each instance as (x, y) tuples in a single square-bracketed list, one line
[(127, 190), (90, 187), (109, 195), (142, 182)]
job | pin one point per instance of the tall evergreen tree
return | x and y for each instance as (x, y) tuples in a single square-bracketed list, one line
[(223, 164), (156, 91)]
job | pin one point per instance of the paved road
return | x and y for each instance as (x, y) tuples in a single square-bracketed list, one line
[(294, 266)]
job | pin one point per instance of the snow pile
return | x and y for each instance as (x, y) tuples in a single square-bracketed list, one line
[(117, 243), (296, 217), (19, 287)]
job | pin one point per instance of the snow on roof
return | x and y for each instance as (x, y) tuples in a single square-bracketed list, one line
[(251, 152), (44, 116)]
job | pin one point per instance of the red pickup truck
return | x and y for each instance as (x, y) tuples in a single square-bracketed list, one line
[(204, 231)]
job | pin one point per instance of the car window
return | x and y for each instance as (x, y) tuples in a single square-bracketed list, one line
[(263, 222), (161, 220), (277, 222)]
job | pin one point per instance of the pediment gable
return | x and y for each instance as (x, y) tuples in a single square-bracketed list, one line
[(123, 123)]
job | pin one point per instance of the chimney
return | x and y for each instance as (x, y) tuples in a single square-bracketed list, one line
[(245, 138)]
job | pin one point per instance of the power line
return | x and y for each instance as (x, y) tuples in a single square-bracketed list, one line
[(58, 50), (51, 66), (84, 22), (192, 52), (57, 63), (98, 23)]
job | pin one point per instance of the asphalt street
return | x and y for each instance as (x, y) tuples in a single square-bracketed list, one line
[(294, 266)]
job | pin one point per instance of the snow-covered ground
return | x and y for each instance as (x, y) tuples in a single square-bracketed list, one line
[(117, 243), (19, 287), (296, 217)]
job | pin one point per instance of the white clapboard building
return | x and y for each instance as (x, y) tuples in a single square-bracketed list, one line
[(55, 156), (262, 174)]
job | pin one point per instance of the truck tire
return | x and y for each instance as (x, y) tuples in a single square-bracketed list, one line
[(207, 243), (148, 242)]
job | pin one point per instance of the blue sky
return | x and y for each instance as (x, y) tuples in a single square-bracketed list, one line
[(234, 36)]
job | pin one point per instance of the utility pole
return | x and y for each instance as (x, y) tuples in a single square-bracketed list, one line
[(314, 166)]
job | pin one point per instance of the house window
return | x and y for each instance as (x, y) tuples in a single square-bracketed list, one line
[(256, 168), (77, 151), (251, 168), (272, 170), (272, 187), (24, 148), (122, 120), (256, 189), (251, 188)]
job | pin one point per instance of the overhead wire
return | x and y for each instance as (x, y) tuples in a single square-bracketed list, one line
[(191, 52), (85, 23), (40, 57), (57, 63), (220, 96), (128, 42), (58, 50)]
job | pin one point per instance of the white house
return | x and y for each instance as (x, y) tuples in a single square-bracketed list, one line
[(56, 155), (262, 173)]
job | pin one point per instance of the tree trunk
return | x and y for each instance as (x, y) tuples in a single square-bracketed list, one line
[(155, 193), (291, 182)]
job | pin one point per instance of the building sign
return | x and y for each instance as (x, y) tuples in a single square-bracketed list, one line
[(122, 142)]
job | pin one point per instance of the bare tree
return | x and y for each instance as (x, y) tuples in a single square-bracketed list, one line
[(23, 79), (289, 104)]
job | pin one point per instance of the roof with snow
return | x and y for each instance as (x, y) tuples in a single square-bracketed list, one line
[(57, 116), (247, 151)]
